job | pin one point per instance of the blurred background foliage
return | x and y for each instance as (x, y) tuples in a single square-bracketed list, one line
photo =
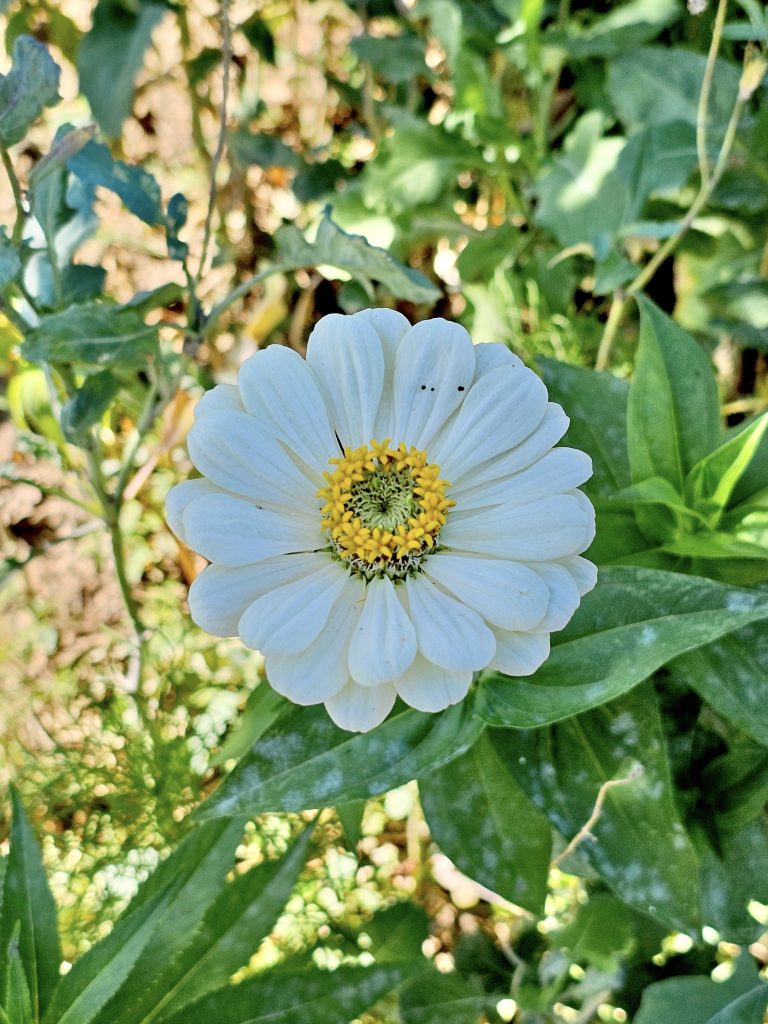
[(524, 163)]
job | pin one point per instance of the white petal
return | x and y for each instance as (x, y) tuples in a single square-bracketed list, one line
[(346, 355), (588, 510), (277, 384), (360, 708), (583, 571), (551, 528), (179, 497), (220, 595), (239, 453), (449, 634), (559, 471), (545, 436), (233, 531), (505, 593), (490, 355), (564, 597), (433, 373), (287, 620), (520, 654), (223, 396), (428, 687), (391, 327), (499, 412), (318, 672), (383, 643)]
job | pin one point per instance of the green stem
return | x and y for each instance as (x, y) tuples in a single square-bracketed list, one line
[(702, 113), (237, 293), (146, 419), (21, 215)]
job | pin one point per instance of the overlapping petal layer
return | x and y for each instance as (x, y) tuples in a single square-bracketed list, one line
[(506, 569)]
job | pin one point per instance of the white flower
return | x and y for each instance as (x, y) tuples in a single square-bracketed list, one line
[(386, 517)]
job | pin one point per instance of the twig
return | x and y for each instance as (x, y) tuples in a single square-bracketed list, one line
[(702, 113), (226, 59), (21, 214), (237, 293), (585, 832)]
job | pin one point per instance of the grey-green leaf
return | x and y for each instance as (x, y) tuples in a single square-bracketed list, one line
[(353, 254), (93, 334), (304, 760), (673, 411), (436, 998), (635, 621), (474, 809), (640, 846), (110, 56), (10, 264), (701, 1000), (30, 85), (94, 165), (29, 915)]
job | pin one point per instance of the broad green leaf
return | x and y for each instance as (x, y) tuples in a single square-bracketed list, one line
[(258, 35), (712, 481), (67, 142), (597, 406), (607, 933), (747, 1009), (89, 404), (396, 933), (655, 161), (94, 165), (298, 997), (659, 510), (732, 675), (240, 917), (30, 85), (640, 847), (261, 709), (28, 915), (474, 809), (10, 264), (354, 255), (732, 875), (262, 149), (635, 621), (350, 814), (659, 84), (701, 1000), (303, 760), (94, 334), (735, 784), (618, 537), (167, 904), (436, 998), (110, 56), (16, 1000), (623, 28), (673, 411), (397, 59)]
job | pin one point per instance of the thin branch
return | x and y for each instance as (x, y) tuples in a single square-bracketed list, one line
[(585, 832), (226, 60), (702, 114), (21, 214)]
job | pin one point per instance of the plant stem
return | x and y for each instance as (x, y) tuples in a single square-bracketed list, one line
[(702, 113), (242, 289), (146, 419), (21, 214), (194, 97)]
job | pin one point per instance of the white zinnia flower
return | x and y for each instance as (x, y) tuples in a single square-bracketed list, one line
[(386, 517)]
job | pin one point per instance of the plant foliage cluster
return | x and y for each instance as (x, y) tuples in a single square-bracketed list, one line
[(588, 183)]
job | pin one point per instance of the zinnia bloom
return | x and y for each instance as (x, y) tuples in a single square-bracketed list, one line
[(386, 517)]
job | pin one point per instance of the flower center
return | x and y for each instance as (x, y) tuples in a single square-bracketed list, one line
[(384, 508)]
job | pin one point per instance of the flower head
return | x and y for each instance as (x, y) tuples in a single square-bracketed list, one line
[(386, 517)]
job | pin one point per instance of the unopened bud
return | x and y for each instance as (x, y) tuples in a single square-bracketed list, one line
[(752, 75), (697, 6)]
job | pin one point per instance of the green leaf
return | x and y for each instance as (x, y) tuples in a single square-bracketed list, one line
[(110, 56), (239, 918), (304, 760), (732, 875), (474, 808), (597, 406), (94, 334), (261, 149), (397, 933), (168, 906), (258, 35), (436, 998), (176, 218), (10, 264), (633, 622), (298, 997), (640, 847), (28, 915), (659, 84), (624, 28), (16, 1000), (30, 85), (88, 404), (701, 1000), (94, 165), (396, 59), (712, 481), (607, 933), (673, 412), (732, 676), (350, 814), (261, 709), (354, 255)]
